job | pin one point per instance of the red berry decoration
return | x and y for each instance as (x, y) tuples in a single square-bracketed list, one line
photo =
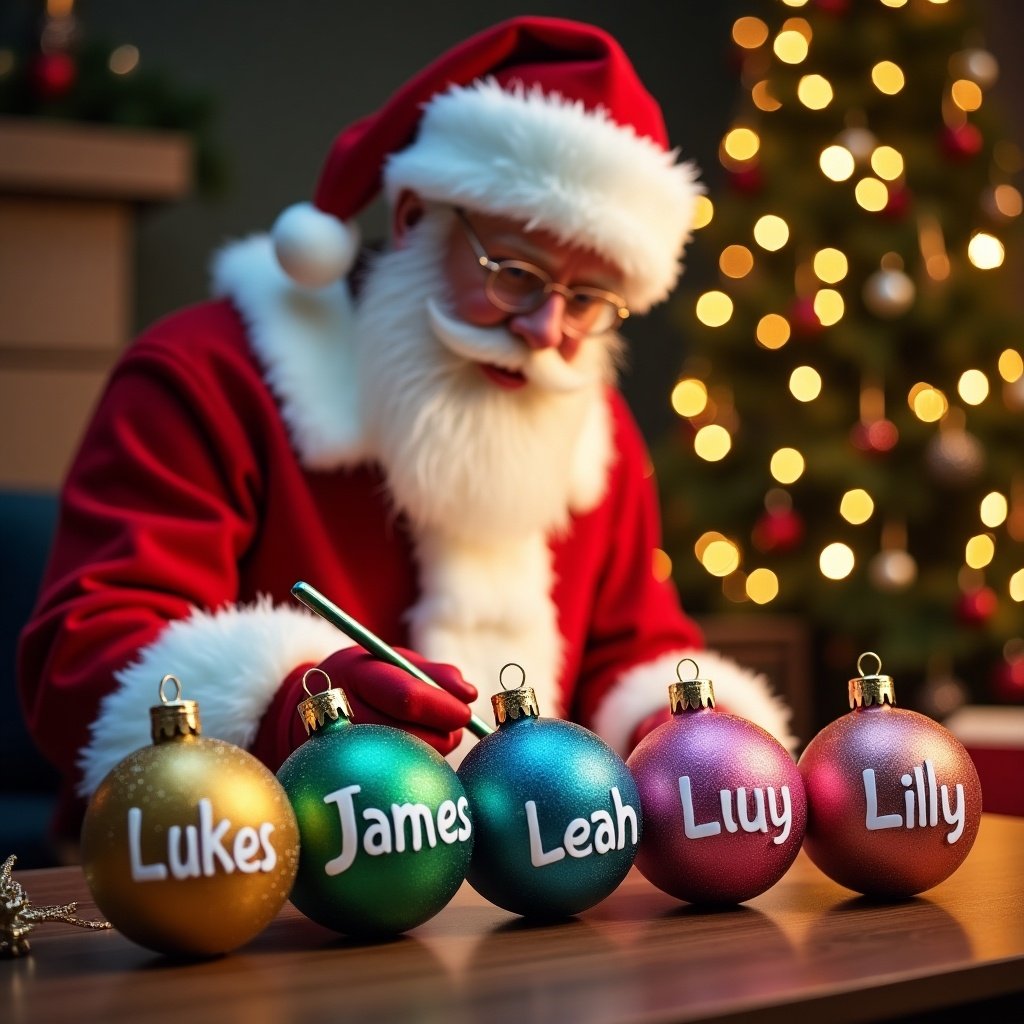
[(723, 804), (976, 607), (1008, 681), (748, 181), (54, 75), (803, 319), (876, 437), (962, 141), (778, 531), (898, 203), (893, 798)]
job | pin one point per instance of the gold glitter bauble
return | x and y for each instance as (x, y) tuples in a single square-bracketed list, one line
[(190, 846)]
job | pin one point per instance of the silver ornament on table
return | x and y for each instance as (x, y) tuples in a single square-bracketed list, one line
[(954, 456), (888, 293)]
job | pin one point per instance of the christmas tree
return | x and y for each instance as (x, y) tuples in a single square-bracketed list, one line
[(850, 445)]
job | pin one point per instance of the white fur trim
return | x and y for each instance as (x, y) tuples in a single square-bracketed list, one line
[(484, 605), (554, 164), (314, 248), (304, 341), (644, 688), (231, 661)]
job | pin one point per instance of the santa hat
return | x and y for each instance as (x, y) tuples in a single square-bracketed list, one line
[(539, 119)]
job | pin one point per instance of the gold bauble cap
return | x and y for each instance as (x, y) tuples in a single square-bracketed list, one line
[(317, 708), (866, 689), (690, 694), (514, 704), (173, 718)]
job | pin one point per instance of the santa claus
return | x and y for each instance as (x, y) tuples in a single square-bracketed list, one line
[(430, 435)]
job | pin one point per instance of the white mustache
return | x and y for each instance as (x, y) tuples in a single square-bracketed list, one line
[(543, 367)]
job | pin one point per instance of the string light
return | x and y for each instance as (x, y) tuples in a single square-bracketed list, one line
[(836, 561), (712, 442), (736, 261), (689, 397), (967, 95), (661, 565), (985, 251), (771, 232), (123, 59), (714, 309), (749, 32), (830, 265), (814, 92), (790, 46), (762, 586), (887, 162), (773, 331), (721, 557), (980, 551), (1017, 585), (787, 465), (871, 194), (1008, 200), (734, 587), (1011, 365), (888, 77), (994, 509), (700, 545), (928, 404), (828, 306), (805, 383), (703, 212), (856, 506), (836, 163), (762, 96), (973, 387), (741, 144)]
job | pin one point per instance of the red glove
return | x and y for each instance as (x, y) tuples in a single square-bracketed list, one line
[(649, 724), (386, 695), (378, 692)]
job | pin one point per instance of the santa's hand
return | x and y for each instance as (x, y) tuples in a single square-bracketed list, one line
[(386, 695)]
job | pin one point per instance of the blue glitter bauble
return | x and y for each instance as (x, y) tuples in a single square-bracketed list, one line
[(556, 815)]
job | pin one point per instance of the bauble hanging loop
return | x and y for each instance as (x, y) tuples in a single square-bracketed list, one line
[(894, 800)]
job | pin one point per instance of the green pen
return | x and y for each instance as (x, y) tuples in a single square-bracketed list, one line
[(316, 602)]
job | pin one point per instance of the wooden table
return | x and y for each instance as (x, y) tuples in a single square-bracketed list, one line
[(806, 950)]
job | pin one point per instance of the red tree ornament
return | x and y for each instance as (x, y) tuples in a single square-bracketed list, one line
[(778, 531), (962, 141), (977, 606), (748, 180), (893, 798), (803, 319), (876, 437), (53, 75), (1008, 681)]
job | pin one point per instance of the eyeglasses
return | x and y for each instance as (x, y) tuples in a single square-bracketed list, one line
[(518, 287)]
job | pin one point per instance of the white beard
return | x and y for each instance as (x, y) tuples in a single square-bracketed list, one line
[(462, 454), (484, 474)]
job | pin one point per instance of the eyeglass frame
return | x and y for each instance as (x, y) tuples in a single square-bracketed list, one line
[(494, 267)]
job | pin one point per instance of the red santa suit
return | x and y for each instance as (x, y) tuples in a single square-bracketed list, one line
[(230, 456)]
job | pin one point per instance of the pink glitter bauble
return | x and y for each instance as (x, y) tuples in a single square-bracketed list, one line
[(893, 801), (723, 804)]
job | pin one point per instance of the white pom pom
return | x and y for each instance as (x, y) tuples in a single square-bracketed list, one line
[(314, 248)]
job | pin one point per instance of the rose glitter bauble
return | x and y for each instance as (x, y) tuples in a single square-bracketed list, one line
[(893, 799), (556, 812), (724, 808), (384, 823), (189, 846)]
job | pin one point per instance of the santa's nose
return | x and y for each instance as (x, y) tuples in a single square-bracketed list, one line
[(541, 328)]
